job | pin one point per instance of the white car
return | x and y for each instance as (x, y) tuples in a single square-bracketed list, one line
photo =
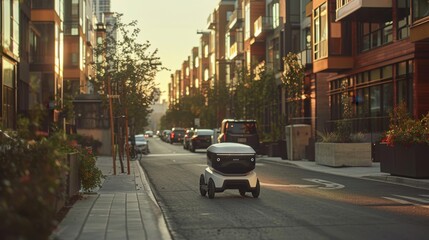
[(148, 134), (142, 144)]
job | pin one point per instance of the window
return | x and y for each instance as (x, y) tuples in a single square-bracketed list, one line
[(375, 100), (404, 83), (196, 62), (206, 51), (43, 43), (247, 21), (8, 94), (320, 44), (373, 35), (403, 22), (206, 74), (420, 9), (276, 15), (10, 31)]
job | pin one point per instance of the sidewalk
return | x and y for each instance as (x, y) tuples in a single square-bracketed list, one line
[(372, 172), (124, 208)]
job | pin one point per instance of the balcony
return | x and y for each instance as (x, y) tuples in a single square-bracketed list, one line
[(235, 50), (347, 7), (333, 64), (305, 57), (262, 25), (211, 22), (420, 31), (236, 19)]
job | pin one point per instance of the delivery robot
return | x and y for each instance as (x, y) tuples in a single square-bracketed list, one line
[(230, 166)]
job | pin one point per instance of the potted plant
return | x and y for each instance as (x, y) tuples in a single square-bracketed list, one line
[(342, 147), (406, 145)]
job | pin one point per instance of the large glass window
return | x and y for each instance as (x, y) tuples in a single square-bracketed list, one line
[(6, 25), (373, 35), (320, 44), (8, 94), (404, 83), (420, 9), (403, 23), (43, 43), (10, 21)]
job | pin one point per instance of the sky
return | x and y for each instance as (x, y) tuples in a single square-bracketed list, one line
[(170, 26)]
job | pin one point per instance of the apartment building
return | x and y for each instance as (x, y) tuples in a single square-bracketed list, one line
[(10, 56), (100, 7), (195, 80), (375, 52), (46, 57), (367, 48), (77, 37), (23, 84), (185, 84), (175, 88), (204, 63)]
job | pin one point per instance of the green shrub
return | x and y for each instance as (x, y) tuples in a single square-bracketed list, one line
[(86, 141), (31, 184), (404, 129), (32, 180), (89, 174)]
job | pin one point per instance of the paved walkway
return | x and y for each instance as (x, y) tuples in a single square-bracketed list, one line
[(125, 208)]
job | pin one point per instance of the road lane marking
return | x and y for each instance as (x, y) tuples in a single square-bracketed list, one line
[(171, 154), (405, 202), (287, 185), (413, 198), (328, 185)]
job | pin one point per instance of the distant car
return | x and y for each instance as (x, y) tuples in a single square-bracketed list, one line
[(201, 139), (148, 133), (165, 135), (187, 138), (239, 131), (177, 135), (142, 144)]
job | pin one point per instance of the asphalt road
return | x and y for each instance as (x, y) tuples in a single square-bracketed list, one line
[(294, 203)]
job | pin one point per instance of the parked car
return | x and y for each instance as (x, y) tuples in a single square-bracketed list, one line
[(187, 138), (176, 135), (202, 138), (239, 131), (148, 133), (165, 136), (141, 144)]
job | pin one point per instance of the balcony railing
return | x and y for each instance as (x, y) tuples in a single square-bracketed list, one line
[(262, 24), (347, 7), (235, 18)]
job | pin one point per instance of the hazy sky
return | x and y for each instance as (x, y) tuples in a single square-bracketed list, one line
[(170, 26)]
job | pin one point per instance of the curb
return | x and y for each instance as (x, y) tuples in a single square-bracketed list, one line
[(409, 182)]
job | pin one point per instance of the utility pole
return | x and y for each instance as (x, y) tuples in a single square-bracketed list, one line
[(127, 144), (112, 133)]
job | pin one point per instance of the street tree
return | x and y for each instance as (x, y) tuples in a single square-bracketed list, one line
[(293, 82), (128, 68)]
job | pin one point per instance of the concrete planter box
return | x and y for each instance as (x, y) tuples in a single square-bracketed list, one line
[(343, 154)]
